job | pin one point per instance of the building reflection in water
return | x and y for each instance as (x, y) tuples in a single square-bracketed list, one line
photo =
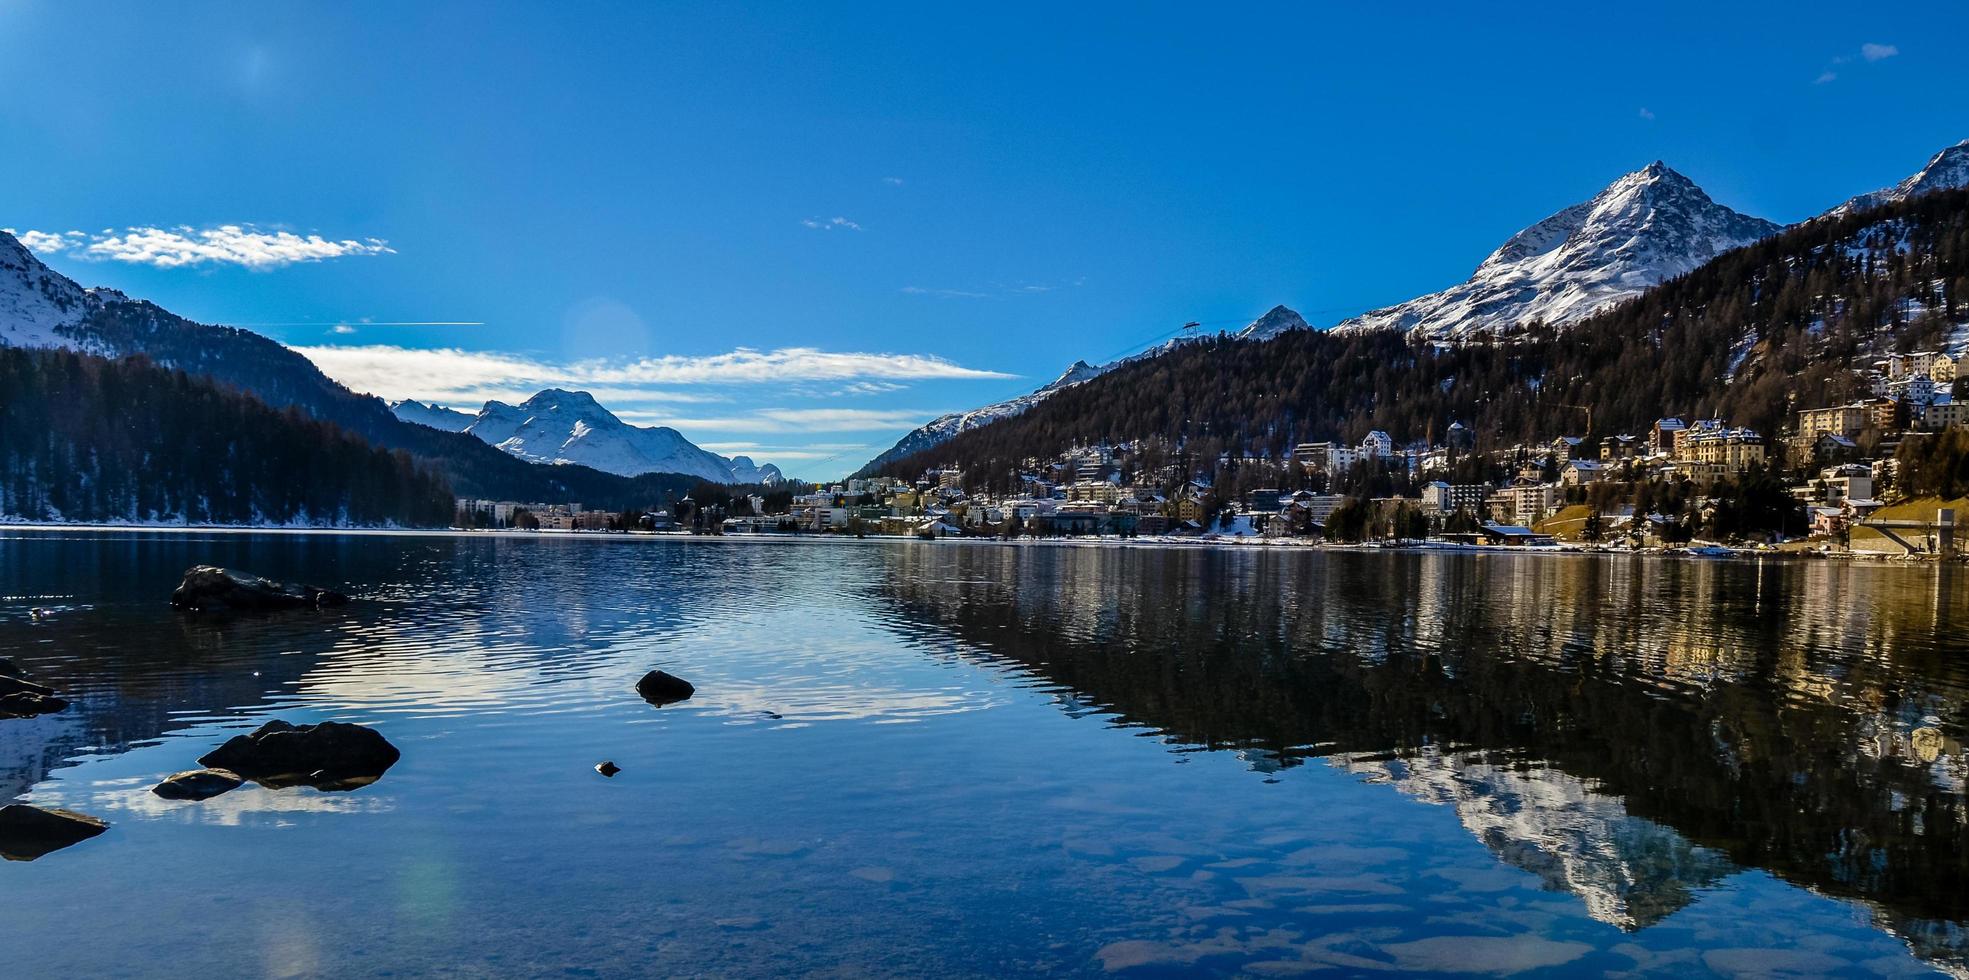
[(1630, 730)]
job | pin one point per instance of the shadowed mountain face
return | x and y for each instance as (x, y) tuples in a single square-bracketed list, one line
[(1629, 731)]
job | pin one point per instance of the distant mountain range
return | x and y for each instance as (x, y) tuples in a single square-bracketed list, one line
[(559, 427), (40, 308), (1645, 228)]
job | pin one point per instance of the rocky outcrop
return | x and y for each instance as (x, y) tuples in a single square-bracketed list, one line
[(22, 698), (659, 688), (330, 755), (28, 832), (208, 588), (198, 784)]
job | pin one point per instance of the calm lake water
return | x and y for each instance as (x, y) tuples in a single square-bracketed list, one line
[(978, 760)]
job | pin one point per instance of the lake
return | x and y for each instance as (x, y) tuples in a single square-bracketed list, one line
[(952, 759)]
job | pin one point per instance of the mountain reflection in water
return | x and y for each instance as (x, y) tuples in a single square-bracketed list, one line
[(955, 759), (1631, 731)]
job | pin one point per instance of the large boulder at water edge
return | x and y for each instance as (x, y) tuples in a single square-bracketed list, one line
[(331, 755), (208, 588), (22, 698), (197, 784), (659, 688), (27, 832)]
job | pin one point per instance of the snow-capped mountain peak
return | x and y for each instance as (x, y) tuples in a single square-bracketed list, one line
[(1645, 227), (40, 307), (1946, 170), (560, 426), (1277, 320), (434, 415)]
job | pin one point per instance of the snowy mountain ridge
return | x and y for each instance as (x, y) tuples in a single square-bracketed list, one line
[(40, 307), (1946, 170), (560, 427), (1645, 228), (434, 415)]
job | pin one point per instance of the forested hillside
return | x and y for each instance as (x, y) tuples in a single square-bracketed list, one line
[(280, 377), (84, 438), (1749, 336)]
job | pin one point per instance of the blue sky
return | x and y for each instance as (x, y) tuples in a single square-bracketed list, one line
[(797, 230)]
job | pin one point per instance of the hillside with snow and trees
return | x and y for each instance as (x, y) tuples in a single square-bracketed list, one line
[(1646, 228)]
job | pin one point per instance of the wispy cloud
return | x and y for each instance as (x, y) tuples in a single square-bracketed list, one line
[(451, 376), (343, 329), (892, 181), (1869, 52), (944, 293), (1647, 113), (869, 388), (793, 421), (992, 291), (836, 223), (170, 248)]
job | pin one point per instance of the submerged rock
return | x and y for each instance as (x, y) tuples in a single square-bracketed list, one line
[(208, 588), (659, 688), (28, 832), (330, 755), (22, 698), (198, 784)]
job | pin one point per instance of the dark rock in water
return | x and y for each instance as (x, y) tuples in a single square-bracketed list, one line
[(608, 768), (331, 755), (198, 784), (27, 832), (659, 688), (207, 588), (22, 698), (29, 705)]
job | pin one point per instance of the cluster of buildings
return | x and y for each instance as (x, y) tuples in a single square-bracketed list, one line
[(1841, 453), (499, 514)]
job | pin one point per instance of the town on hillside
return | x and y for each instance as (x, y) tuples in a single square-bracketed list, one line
[(1880, 476)]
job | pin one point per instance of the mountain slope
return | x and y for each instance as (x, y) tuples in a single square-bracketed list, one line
[(40, 308), (1814, 307), (1647, 227), (560, 427), (944, 428), (1946, 170)]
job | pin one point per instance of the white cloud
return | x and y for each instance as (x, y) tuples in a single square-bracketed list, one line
[(1824, 77), (343, 328), (1876, 52), (892, 181), (451, 376), (869, 388), (171, 248), (793, 420), (836, 223), (1647, 113), (848, 419)]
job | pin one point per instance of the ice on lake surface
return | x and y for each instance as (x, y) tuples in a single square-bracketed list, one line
[(907, 758)]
